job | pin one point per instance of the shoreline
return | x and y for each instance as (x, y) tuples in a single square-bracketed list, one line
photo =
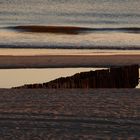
[(44, 51), (66, 61)]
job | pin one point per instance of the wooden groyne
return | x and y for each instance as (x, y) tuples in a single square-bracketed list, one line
[(116, 77)]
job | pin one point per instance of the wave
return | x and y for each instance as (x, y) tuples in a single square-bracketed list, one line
[(70, 47), (52, 29), (71, 29), (123, 29)]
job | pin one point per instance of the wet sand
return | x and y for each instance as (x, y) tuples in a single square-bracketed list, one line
[(69, 114), (61, 61)]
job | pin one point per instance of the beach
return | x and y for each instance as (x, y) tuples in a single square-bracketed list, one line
[(69, 114), (44, 40), (63, 61), (39, 114)]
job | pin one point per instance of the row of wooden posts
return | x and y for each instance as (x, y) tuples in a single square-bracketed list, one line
[(116, 77)]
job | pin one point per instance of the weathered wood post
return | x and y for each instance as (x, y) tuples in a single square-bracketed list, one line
[(116, 77)]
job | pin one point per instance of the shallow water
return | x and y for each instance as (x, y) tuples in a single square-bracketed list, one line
[(115, 23)]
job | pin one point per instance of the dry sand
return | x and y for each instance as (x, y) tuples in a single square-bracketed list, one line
[(58, 61), (42, 114)]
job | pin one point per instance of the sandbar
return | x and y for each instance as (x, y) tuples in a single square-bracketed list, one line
[(65, 61)]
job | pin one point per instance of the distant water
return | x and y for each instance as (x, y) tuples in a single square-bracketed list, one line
[(113, 24)]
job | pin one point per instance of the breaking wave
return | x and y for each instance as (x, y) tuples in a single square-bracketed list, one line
[(71, 29)]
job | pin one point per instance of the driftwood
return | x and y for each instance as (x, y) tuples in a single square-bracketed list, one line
[(118, 77)]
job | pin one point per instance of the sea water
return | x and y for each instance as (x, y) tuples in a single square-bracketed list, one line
[(115, 24)]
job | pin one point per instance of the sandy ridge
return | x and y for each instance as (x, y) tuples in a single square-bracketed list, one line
[(58, 61)]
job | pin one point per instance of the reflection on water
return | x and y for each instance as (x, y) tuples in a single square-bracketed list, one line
[(16, 77)]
